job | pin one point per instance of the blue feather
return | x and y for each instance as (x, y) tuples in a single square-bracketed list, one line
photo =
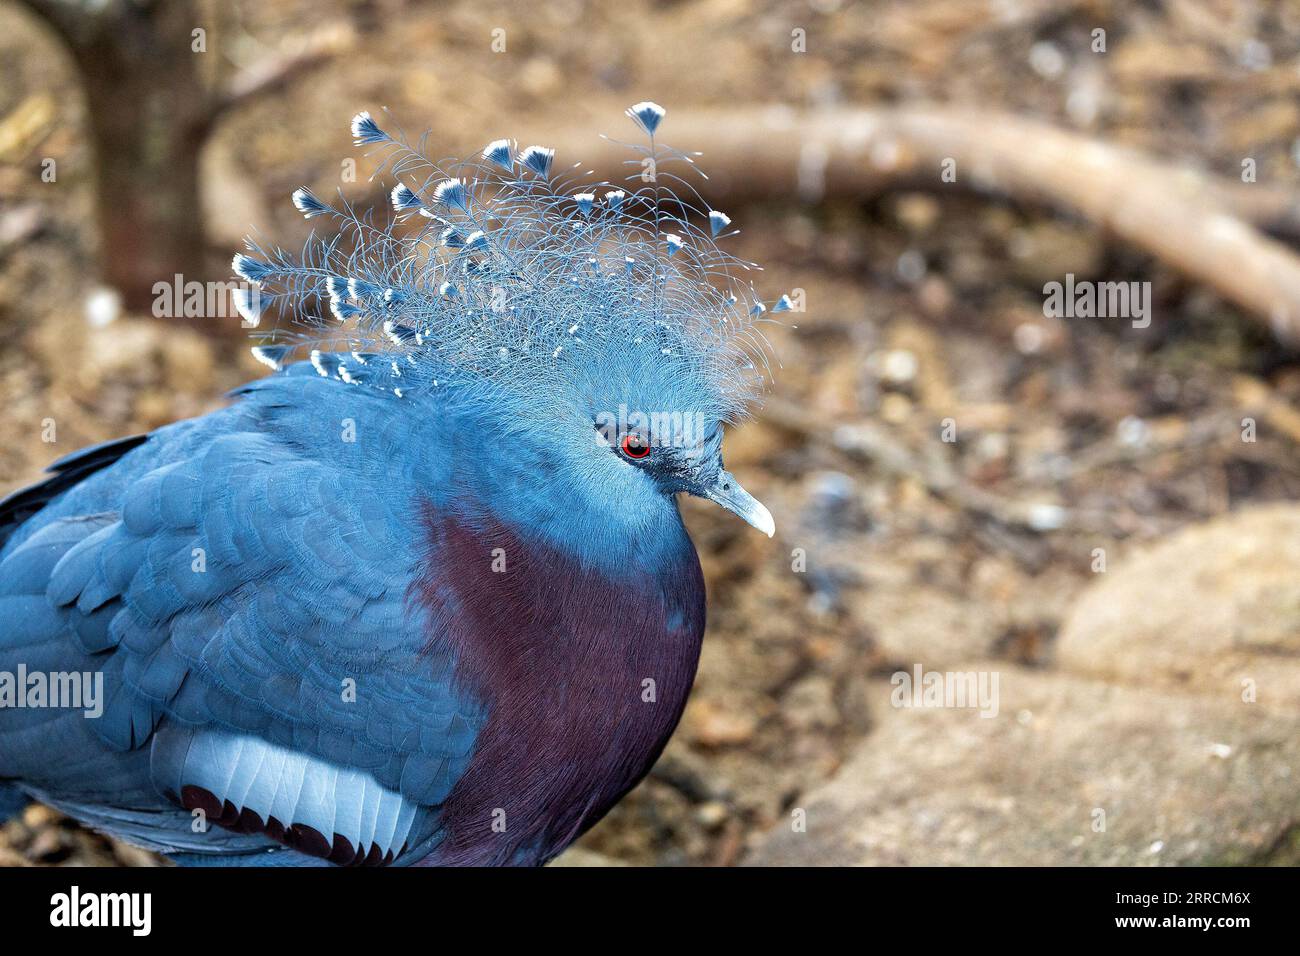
[(647, 115), (538, 159), (403, 197), (344, 310), (248, 303), (337, 287), (498, 152), (366, 131), (452, 193), (361, 289), (272, 355), (324, 363), (307, 203), (400, 334), (250, 269)]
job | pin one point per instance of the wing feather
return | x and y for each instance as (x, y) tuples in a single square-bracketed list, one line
[(243, 597)]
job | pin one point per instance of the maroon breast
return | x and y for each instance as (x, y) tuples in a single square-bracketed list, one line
[(583, 675)]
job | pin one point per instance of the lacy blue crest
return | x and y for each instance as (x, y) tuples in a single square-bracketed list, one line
[(495, 273)]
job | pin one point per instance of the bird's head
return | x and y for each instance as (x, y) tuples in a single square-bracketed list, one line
[(600, 323), (654, 432), (692, 467)]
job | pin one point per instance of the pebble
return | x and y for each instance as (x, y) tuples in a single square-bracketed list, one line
[(712, 815)]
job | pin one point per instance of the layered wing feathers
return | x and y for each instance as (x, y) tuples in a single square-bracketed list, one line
[(243, 589)]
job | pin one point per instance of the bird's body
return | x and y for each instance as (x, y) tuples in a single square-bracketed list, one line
[(365, 617), (517, 690)]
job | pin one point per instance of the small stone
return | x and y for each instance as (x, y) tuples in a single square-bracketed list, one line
[(1028, 338), (911, 266), (102, 306), (1132, 431), (917, 212), (934, 296), (719, 728), (1046, 517), (897, 366), (712, 815), (1047, 60), (37, 816)]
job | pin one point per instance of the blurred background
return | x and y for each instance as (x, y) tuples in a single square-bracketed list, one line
[(1099, 514)]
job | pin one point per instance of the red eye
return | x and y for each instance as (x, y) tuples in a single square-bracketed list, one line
[(634, 446)]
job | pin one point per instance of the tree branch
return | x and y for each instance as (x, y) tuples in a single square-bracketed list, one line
[(276, 73), (1198, 224)]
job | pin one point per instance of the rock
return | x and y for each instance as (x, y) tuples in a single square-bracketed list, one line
[(1140, 750), (1204, 610), (1179, 779), (915, 621)]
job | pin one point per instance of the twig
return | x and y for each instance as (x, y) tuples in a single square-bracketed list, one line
[(276, 73)]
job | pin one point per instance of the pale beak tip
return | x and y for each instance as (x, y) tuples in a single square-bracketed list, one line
[(726, 491), (762, 520)]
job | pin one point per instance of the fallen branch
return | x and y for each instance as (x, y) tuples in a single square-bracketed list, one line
[(1198, 224)]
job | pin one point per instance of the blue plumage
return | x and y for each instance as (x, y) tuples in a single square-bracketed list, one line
[(413, 586)]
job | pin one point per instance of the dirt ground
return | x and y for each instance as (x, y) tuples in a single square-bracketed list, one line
[(1074, 435)]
